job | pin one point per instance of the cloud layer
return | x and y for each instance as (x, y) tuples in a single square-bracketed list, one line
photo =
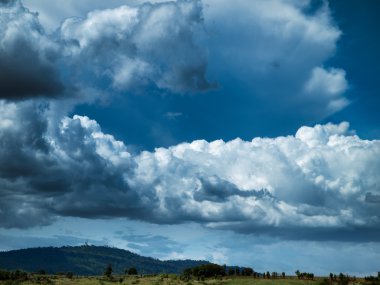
[(320, 183), (175, 46), (120, 48)]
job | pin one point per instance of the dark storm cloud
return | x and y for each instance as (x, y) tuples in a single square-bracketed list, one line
[(217, 190), (47, 172), (27, 56), (24, 75)]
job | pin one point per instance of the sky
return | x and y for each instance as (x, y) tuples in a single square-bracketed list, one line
[(241, 132)]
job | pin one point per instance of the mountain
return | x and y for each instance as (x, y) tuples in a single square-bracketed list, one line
[(88, 260)]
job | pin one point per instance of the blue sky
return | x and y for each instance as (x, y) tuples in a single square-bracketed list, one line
[(242, 132)]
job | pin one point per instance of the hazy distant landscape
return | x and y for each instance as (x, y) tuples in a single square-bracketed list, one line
[(105, 265)]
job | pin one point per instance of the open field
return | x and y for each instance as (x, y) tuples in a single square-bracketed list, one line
[(159, 280)]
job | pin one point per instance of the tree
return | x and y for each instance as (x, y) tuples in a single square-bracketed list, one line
[(298, 273), (132, 271), (247, 271), (231, 271), (283, 274), (343, 280), (15, 276), (186, 275), (205, 270), (108, 271), (69, 275)]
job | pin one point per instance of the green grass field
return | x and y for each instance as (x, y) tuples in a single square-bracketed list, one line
[(159, 280)]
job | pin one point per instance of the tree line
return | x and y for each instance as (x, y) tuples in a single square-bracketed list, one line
[(304, 275), (13, 275), (214, 270)]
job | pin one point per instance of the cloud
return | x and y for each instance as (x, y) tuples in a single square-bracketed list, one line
[(372, 198), (148, 44), (4, 2), (173, 115), (121, 48), (271, 50), (51, 15), (160, 246), (329, 85), (320, 184), (27, 56), (39, 158), (310, 186)]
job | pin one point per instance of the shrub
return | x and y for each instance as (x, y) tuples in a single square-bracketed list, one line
[(325, 281), (132, 271), (108, 271), (70, 275)]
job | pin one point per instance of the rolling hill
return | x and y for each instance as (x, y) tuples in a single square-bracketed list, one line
[(87, 260)]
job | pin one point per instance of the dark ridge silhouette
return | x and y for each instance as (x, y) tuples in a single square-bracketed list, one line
[(88, 260)]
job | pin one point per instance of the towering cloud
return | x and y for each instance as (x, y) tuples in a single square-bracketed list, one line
[(150, 44), (321, 181)]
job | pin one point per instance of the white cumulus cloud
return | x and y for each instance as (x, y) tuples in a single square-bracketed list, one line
[(307, 186), (328, 86), (147, 44)]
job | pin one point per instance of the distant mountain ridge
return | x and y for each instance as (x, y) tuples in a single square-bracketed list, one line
[(88, 260)]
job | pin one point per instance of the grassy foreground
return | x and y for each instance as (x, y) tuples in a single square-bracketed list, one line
[(159, 280)]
